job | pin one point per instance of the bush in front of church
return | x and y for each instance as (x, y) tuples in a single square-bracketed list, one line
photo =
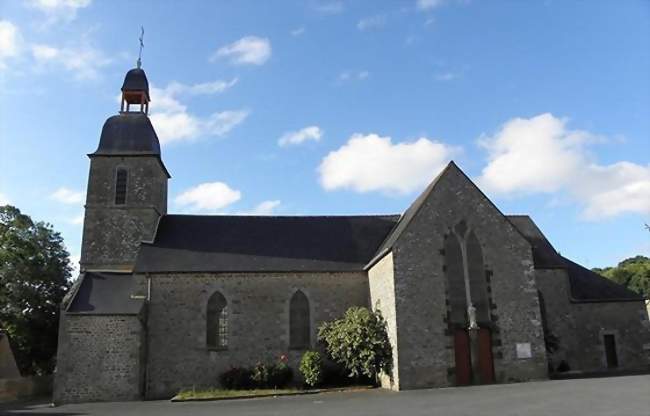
[(311, 368), (359, 342), (261, 376)]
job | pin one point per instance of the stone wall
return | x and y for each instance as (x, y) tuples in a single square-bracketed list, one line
[(382, 297), (425, 344), (580, 327), (112, 233), (99, 358), (258, 309)]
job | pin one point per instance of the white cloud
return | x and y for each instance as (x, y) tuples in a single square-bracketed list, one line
[(173, 122), (204, 88), (264, 208), (298, 31), (353, 76), (428, 4), (172, 127), (541, 155), (59, 9), (77, 220), (446, 76), (373, 163), (614, 189), (4, 199), (532, 155), (371, 22), (10, 41), (83, 61), (251, 50), (313, 133), (67, 196), (208, 196), (329, 7), (74, 263)]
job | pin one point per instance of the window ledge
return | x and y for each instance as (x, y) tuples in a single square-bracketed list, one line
[(212, 348)]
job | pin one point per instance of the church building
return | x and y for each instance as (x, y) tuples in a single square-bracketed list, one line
[(470, 295)]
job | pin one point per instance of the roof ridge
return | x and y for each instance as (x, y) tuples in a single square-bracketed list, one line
[(282, 216)]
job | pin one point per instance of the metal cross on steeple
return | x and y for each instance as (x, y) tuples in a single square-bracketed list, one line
[(141, 46)]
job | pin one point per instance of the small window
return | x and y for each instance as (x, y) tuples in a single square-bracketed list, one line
[(120, 186), (217, 322), (299, 324)]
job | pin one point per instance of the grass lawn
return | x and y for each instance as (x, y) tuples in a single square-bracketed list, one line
[(220, 394), (215, 394)]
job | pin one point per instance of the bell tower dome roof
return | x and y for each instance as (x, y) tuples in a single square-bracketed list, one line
[(136, 81), (128, 133)]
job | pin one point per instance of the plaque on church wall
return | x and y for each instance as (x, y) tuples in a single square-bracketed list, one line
[(523, 350)]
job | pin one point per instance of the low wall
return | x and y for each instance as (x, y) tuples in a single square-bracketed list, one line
[(25, 387)]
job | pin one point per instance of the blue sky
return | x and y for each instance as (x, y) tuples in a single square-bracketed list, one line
[(333, 107)]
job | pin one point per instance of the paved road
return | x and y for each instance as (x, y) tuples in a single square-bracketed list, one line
[(616, 396)]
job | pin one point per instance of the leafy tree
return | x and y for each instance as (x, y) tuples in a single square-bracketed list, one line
[(359, 342), (34, 277), (633, 273)]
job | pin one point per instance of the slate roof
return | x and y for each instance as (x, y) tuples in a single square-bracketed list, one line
[(224, 243), (585, 285), (136, 80), (128, 133), (544, 255), (589, 286), (105, 294)]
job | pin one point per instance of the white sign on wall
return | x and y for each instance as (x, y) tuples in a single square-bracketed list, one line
[(523, 350)]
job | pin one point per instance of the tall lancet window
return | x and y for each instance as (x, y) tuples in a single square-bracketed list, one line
[(299, 322), (217, 322), (121, 178)]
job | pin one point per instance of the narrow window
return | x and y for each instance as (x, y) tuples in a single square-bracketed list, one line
[(610, 351), (217, 322), (299, 325), (120, 186)]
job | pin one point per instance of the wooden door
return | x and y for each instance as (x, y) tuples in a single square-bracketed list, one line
[(485, 362), (463, 358)]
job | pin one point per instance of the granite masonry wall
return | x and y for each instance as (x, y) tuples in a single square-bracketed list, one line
[(581, 326), (425, 344), (100, 358), (258, 325), (112, 233), (382, 297)]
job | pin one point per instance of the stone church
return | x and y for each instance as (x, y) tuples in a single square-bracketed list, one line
[(470, 295)]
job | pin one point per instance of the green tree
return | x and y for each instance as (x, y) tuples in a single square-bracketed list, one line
[(359, 342), (633, 273), (34, 277)]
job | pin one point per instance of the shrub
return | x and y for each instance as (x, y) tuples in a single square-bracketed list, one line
[(236, 378), (359, 342), (279, 374), (311, 368), (260, 375)]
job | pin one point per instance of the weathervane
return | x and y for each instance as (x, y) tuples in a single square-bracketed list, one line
[(141, 46)]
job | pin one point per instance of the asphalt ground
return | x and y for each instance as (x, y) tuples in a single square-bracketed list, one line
[(615, 396)]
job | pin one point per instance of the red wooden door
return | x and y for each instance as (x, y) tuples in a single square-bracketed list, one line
[(485, 363), (463, 358)]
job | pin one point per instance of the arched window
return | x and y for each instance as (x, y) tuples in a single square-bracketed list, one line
[(455, 281), (120, 186), (217, 322), (299, 325), (477, 280)]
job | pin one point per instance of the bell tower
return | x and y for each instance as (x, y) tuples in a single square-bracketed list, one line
[(127, 183)]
